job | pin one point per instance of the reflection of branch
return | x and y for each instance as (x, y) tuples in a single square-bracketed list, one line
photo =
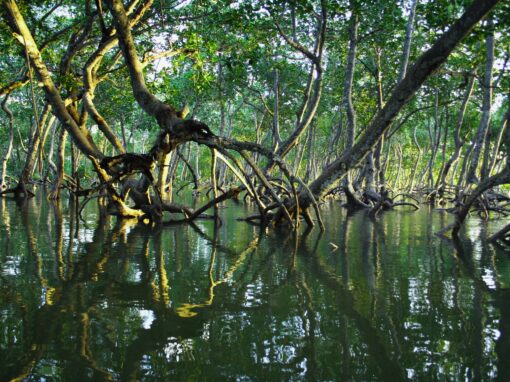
[(369, 334), (163, 278), (85, 349), (59, 232), (186, 310)]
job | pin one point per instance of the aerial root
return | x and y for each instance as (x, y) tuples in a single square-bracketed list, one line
[(503, 236)]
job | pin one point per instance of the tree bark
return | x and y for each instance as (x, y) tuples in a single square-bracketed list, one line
[(425, 65), (497, 147), (407, 43), (166, 115), (314, 85), (8, 149), (486, 106), (59, 176), (459, 142), (277, 140), (34, 145), (80, 134), (349, 76)]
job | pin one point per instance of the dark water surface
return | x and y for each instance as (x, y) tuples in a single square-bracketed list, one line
[(82, 301)]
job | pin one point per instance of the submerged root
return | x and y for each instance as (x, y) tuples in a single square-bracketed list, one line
[(19, 191), (502, 236)]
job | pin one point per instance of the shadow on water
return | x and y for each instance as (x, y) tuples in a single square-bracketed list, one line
[(87, 297)]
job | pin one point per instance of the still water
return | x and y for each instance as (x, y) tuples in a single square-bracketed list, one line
[(86, 301)]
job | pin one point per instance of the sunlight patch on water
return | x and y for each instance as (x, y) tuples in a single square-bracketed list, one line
[(417, 295), (488, 278), (147, 317), (178, 350)]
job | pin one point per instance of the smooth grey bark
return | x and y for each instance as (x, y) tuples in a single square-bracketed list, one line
[(483, 127), (313, 91), (484, 170), (407, 43), (380, 172), (8, 149), (34, 146), (465, 162), (497, 146), (418, 159), (378, 152), (333, 141), (398, 152), (349, 76), (459, 142), (424, 66), (51, 164), (370, 175), (434, 136), (59, 176), (277, 140), (311, 153), (349, 189)]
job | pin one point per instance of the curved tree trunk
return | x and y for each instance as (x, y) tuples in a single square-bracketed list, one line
[(79, 133), (497, 147), (459, 142), (59, 176), (424, 66), (31, 156), (418, 159), (407, 43), (481, 133), (8, 149), (52, 167), (353, 201), (277, 140), (313, 91)]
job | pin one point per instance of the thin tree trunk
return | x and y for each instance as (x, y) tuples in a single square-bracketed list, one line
[(42, 142), (311, 154), (348, 105), (458, 141), (31, 157), (486, 106), (398, 152), (370, 185), (418, 158), (434, 136), (8, 150), (407, 44), (51, 164), (80, 135), (333, 142), (59, 176), (379, 165), (424, 66), (277, 141), (497, 146), (313, 91), (349, 76)]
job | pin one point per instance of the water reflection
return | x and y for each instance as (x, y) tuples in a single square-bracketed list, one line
[(82, 300)]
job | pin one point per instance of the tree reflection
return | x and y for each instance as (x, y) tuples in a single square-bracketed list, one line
[(128, 301)]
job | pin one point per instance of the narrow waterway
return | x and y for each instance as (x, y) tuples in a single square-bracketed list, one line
[(86, 298)]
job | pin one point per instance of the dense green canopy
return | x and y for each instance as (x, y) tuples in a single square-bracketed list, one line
[(400, 96)]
